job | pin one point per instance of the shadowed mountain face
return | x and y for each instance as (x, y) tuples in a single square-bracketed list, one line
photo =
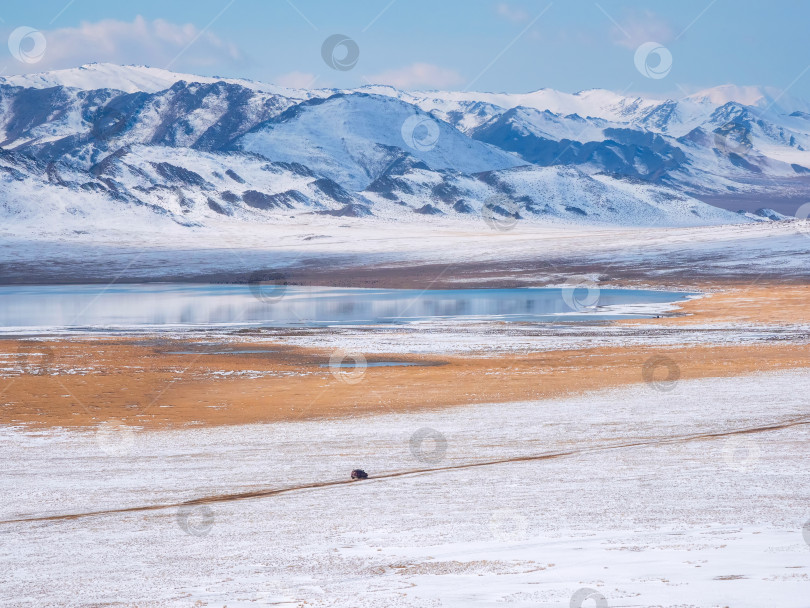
[(199, 152), (625, 152)]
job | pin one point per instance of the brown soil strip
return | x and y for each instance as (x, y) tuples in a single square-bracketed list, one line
[(745, 304), (134, 384)]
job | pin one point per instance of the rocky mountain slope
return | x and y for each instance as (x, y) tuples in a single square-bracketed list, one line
[(106, 142)]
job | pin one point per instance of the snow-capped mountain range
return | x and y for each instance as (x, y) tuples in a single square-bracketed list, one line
[(105, 141)]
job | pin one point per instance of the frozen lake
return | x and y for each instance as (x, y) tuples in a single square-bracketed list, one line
[(196, 305)]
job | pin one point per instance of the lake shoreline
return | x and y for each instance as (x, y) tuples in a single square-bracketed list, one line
[(125, 308), (169, 381)]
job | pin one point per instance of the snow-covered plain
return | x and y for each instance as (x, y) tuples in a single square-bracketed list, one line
[(691, 497), (640, 505), (133, 251)]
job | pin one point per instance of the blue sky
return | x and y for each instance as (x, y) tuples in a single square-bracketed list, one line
[(513, 46)]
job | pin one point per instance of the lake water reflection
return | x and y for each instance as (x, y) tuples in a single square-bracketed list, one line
[(145, 305)]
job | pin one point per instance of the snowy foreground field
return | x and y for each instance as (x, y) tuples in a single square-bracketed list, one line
[(653, 498)]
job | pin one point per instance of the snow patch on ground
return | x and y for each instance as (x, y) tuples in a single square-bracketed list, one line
[(666, 522)]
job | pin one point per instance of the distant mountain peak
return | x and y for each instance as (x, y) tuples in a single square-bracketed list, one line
[(109, 139), (750, 95), (132, 79)]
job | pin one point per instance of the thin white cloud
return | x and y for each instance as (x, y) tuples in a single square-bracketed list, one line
[(156, 43), (296, 80), (512, 13), (418, 75), (637, 28)]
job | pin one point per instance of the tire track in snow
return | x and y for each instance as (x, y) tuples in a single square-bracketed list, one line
[(219, 498)]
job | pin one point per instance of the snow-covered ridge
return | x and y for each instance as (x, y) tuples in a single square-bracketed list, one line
[(132, 79), (597, 103), (590, 102), (101, 141)]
